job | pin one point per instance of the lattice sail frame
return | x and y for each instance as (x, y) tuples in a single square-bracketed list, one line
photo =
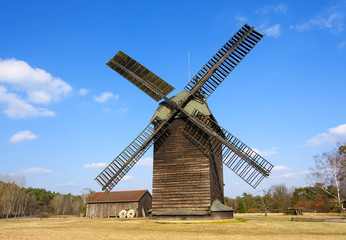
[(130, 68), (118, 168), (237, 47), (248, 165)]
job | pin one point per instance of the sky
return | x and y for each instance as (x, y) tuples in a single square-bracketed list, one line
[(64, 115)]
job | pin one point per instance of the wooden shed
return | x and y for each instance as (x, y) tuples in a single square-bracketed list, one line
[(109, 204)]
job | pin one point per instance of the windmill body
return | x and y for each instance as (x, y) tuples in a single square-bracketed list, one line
[(183, 176), (189, 145)]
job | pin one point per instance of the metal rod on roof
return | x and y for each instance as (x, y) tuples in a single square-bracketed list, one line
[(188, 64)]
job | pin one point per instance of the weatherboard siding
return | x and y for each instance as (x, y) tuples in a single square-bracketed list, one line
[(144, 205), (182, 177), (216, 174), (95, 210)]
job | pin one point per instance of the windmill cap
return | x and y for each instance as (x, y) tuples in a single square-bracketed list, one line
[(163, 111)]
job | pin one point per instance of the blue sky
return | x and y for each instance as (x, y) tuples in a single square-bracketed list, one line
[(64, 114)]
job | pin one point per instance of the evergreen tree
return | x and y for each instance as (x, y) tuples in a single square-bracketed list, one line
[(241, 205)]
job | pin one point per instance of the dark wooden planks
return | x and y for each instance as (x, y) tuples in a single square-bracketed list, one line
[(216, 172), (182, 175)]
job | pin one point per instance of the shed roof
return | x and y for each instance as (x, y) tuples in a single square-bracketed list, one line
[(117, 196)]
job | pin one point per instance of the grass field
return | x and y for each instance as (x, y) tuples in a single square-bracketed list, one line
[(111, 228)]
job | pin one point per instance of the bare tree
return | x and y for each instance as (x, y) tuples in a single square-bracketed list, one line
[(329, 171), (77, 205), (281, 198), (86, 194), (67, 204), (11, 191), (233, 203), (3, 185), (58, 203), (342, 149), (267, 201)]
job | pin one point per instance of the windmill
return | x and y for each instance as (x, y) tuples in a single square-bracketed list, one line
[(189, 145)]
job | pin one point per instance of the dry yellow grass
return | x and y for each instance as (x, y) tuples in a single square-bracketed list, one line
[(110, 228), (280, 215)]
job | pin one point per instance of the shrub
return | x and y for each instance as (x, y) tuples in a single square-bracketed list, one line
[(336, 209)]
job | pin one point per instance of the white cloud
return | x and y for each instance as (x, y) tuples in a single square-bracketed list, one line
[(24, 87), (241, 19), (321, 22), (127, 178), (332, 19), (20, 108), (148, 161), (289, 175), (273, 31), (22, 136), (83, 92), (342, 44), (106, 96), (332, 136), (95, 165), (281, 8), (5, 176), (266, 153), (280, 168), (40, 86), (37, 171), (293, 174)]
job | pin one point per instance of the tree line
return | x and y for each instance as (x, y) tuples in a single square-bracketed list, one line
[(17, 201), (279, 198), (327, 194)]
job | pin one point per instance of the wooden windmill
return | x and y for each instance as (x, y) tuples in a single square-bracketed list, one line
[(189, 145)]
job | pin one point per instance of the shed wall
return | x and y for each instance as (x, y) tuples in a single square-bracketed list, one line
[(109, 209), (144, 205)]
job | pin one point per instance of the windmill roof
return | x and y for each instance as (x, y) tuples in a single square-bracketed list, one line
[(117, 196), (163, 110), (217, 206)]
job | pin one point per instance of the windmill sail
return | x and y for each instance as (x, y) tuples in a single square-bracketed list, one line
[(224, 61), (240, 158), (117, 169), (140, 76)]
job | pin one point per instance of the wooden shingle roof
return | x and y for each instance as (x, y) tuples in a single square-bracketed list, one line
[(117, 196)]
